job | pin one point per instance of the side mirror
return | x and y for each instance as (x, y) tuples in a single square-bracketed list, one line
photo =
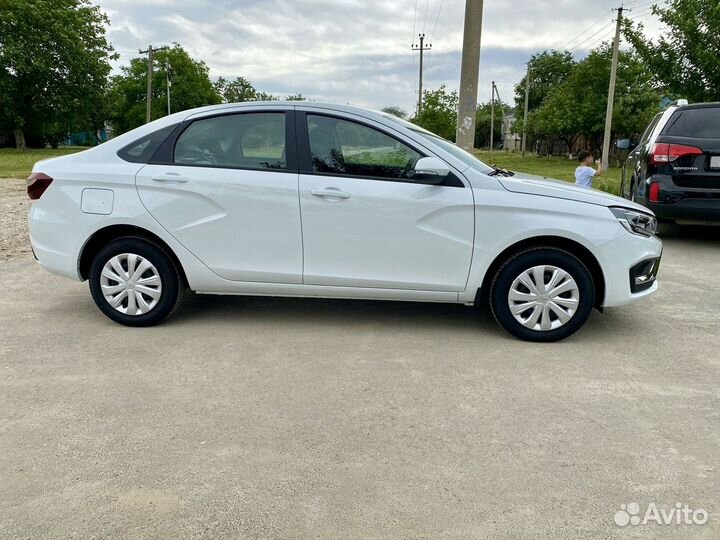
[(430, 170), (623, 144)]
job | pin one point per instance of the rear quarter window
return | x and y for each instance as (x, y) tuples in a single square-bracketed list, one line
[(701, 123), (141, 150)]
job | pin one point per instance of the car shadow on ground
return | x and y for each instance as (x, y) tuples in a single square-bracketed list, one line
[(323, 311), (457, 319), (694, 234)]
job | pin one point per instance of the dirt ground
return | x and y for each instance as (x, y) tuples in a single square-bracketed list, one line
[(289, 418), (14, 206)]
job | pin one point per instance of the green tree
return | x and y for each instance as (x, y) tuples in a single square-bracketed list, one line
[(191, 87), (295, 97), (548, 69), (264, 96), (686, 57), (395, 111), (439, 112), (54, 64), (483, 120), (577, 105), (235, 91)]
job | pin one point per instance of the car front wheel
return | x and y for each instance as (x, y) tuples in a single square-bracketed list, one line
[(134, 282), (542, 294)]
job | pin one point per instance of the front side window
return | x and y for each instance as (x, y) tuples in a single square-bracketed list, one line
[(343, 147), (645, 137), (241, 141)]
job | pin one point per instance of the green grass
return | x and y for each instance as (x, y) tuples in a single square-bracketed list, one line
[(18, 163), (553, 167)]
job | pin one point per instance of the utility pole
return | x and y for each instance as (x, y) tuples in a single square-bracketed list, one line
[(148, 105), (469, 70), (611, 92), (168, 82), (525, 114), (492, 115), (502, 110), (421, 48)]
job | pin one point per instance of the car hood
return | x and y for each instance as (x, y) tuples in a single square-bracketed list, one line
[(549, 187)]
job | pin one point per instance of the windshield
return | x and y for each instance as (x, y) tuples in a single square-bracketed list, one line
[(466, 157)]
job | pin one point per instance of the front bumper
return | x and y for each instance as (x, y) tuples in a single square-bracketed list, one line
[(622, 261)]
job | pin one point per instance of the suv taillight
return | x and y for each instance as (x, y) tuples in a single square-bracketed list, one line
[(669, 152), (654, 192), (37, 183)]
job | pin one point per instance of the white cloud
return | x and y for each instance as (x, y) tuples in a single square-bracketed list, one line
[(357, 51)]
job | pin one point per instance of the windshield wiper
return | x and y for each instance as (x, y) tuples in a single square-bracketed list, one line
[(498, 171)]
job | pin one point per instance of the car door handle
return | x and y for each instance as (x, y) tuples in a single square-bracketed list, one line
[(330, 192), (170, 177)]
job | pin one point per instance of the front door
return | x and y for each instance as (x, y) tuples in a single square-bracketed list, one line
[(367, 224), (230, 196)]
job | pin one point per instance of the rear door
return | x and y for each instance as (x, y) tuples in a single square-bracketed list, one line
[(366, 223), (694, 136), (228, 191), (633, 171)]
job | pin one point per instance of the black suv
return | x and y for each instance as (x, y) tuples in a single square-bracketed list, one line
[(675, 168)]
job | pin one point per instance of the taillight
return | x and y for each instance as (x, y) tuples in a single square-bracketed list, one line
[(669, 152), (37, 183), (654, 192)]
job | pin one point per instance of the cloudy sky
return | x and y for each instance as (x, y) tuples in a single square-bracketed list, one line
[(358, 51)]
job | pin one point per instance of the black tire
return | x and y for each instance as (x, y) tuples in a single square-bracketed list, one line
[(172, 285), (525, 260)]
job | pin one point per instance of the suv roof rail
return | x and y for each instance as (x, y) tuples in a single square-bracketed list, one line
[(681, 102)]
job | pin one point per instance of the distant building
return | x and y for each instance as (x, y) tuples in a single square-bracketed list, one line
[(510, 140)]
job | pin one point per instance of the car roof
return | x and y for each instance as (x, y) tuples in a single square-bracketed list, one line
[(707, 105)]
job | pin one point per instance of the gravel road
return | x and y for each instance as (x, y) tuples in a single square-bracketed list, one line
[(14, 206), (289, 418)]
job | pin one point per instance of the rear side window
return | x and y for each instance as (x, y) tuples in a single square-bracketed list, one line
[(703, 123), (238, 141), (141, 150)]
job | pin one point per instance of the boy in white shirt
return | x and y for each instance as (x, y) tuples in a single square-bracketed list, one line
[(584, 173)]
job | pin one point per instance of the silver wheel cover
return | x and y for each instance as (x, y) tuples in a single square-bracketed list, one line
[(544, 298), (131, 284)]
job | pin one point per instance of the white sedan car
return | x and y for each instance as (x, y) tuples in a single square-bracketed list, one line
[(320, 200)]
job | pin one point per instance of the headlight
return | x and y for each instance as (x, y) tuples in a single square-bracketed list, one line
[(636, 222)]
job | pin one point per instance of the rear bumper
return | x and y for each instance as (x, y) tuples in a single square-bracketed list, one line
[(622, 261), (55, 239), (676, 202), (690, 209)]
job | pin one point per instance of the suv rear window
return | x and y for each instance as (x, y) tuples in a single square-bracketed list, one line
[(703, 123), (141, 150)]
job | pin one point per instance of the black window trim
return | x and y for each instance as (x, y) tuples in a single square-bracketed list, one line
[(165, 154), (305, 155)]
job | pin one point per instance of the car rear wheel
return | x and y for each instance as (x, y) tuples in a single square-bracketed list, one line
[(542, 294), (134, 282)]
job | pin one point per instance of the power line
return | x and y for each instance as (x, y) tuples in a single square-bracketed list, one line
[(414, 20), (604, 29), (437, 18), (581, 34), (427, 5)]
